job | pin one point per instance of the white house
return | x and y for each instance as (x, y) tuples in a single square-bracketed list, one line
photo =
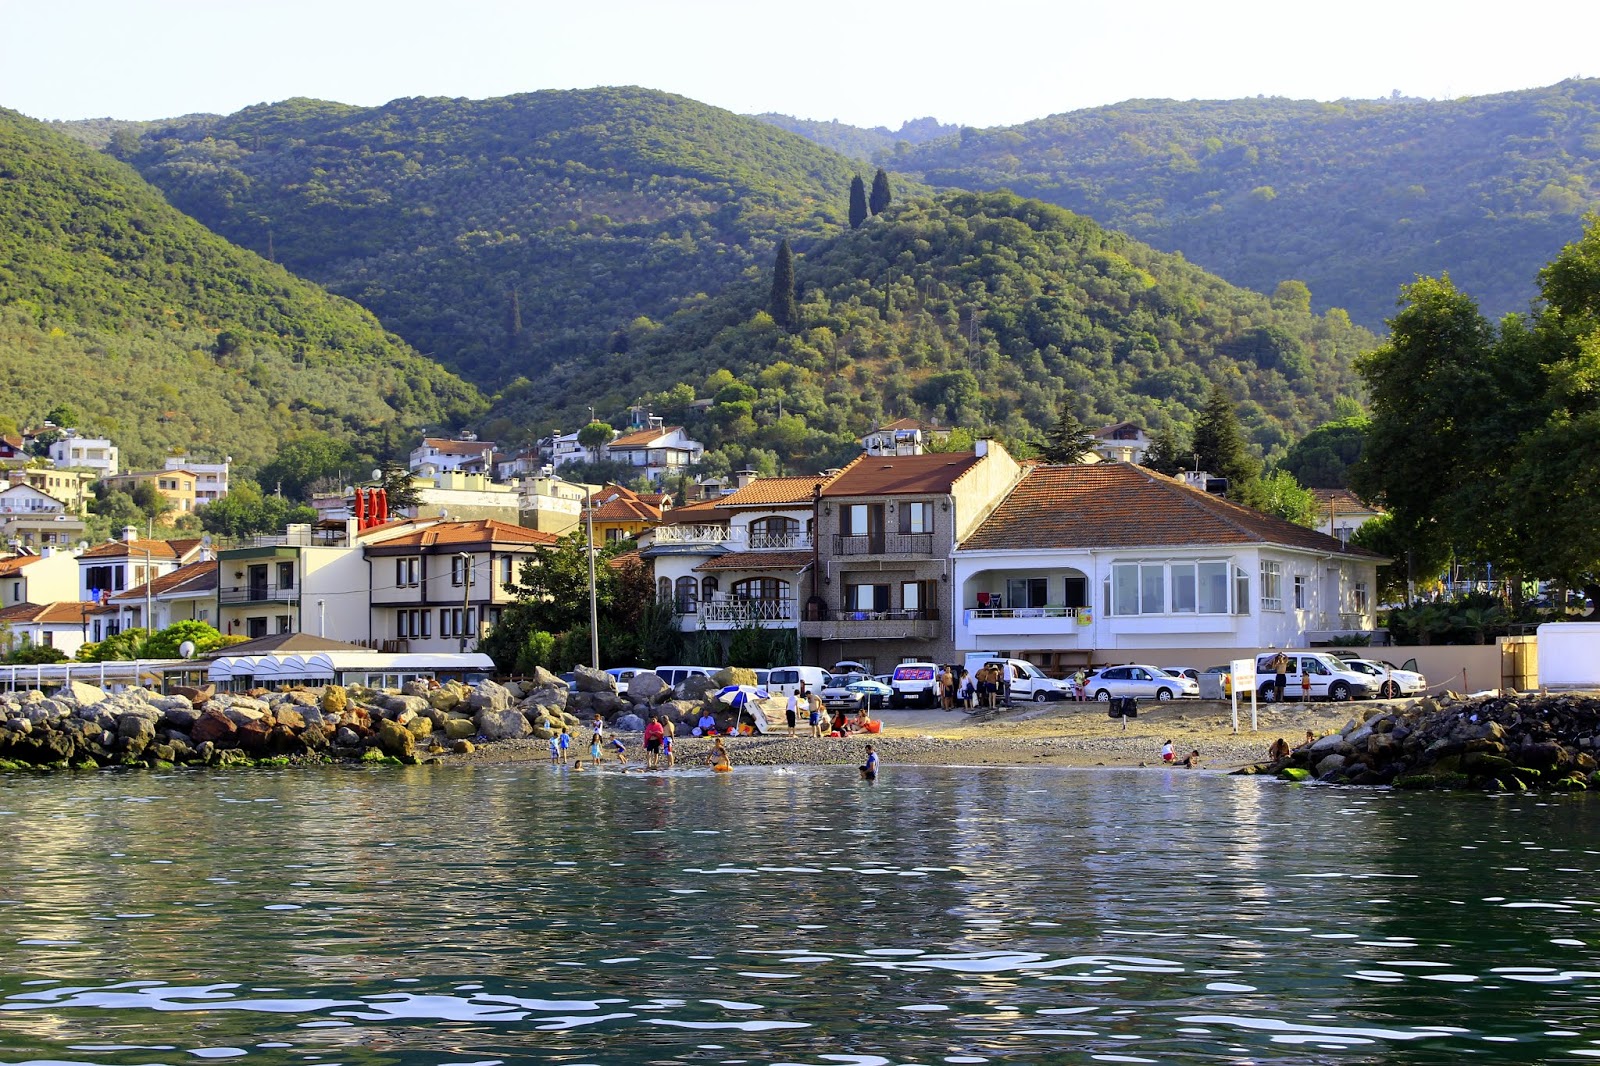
[(210, 479), (656, 452), (46, 577), (187, 594), (32, 517), (1122, 442), (59, 625), (440, 588), (118, 565), (468, 455), (903, 436), (564, 449), (740, 558), (1342, 513), (1082, 560), (73, 452)]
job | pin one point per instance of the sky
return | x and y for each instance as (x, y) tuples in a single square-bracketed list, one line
[(867, 63)]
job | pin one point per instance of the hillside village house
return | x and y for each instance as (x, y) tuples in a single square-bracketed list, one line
[(1341, 513), (13, 448), (621, 514), (118, 565), (740, 559), (210, 479), (468, 455), (880, 590), (32, 518), (657, 451), (564, 449), (1122, 442), (73, 452), (60, 625), (187, 594), (441, 588), (73, 488), (550, 504), (903, 436), (177, 487), (1112, 557), (46, 577)]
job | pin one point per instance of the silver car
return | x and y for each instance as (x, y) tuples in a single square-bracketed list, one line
[(1391, 680), (1140, 682)]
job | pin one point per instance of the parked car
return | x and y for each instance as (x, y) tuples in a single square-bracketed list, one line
[(851, 692), (1331, 677), (1140, 682), (624, 674), (914, 683), (676, 675), (1392, 681), (1028, 682), (782, 680), (1183, 671)]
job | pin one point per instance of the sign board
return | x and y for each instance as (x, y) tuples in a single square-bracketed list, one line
[(1244, 673)]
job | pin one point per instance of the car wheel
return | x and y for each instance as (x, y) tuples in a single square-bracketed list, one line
[(1338, 692), (1104, 696), (1269, 693), (1039, 697), (1163, 694), (1390, 690)]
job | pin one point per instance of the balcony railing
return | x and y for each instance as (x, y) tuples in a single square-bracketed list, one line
[(865, 625), (736, 538), (258, 592), (744, 611), (883, 544), (1025, 612), (795, 541)]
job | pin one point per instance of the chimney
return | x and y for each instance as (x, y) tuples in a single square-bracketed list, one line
[(741, 478), (130, 534), (980, 447), (46, 551)]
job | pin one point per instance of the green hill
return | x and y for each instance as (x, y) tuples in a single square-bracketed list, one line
[(157, 330), (1353, 198), (978, 309), (860, 142), (501, 236)]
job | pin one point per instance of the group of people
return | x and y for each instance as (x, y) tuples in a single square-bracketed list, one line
[(1188, 762)]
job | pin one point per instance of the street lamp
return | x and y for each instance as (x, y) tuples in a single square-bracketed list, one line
[(594, 611), (466, 593)]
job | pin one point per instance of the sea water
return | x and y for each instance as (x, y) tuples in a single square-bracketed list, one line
[(501, 914)]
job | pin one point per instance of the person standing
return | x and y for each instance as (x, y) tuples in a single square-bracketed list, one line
[(964, 689), (947, 688), (564, 742), (869, 769), (791, 709), (1004, 681), (1280, 671), (815, 703), (653, 736)]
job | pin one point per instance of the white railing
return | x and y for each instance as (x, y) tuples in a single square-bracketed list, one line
[(737, 538), (691, 534), (740, 610), (1025, 612), (792, 541)]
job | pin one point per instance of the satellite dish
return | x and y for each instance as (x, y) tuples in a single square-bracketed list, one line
[(186, 650), (205, 541), (377, 475)]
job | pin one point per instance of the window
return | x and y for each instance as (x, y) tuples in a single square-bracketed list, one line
[(1299, 592), (406, 571), (861, 519), (507, 565), (286, 575), (1142, 588), (1212, 588), (866, 597), (461, 571), (1027, 592), (412, 624), (664, 590), (761, 588), (1241, 591), (774, 532), (447, 621), (916, 518), (920, 597), (688, 595), (285, 623), (49, 638), (16, 592), (1358, 597), (1125, 588), (1271, 585), (1152, 589), (1183, 588), (708, 588)]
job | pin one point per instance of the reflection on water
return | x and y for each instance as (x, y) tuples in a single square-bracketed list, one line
[(499, 914)]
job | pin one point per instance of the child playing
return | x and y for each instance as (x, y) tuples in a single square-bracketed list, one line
[(622, 751), (564, 741), (666, 750), (555, 751), (1305, 688), (1166, 751), (594, 751)]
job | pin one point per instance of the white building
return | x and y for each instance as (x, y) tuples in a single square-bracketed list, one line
[(1341, 513), (73, 452), (210, 479), (119, 565), (1078, 561), (467, 455), (564, 449), (903, 436), (33, 518), (45, 577), (187, 594), (550, 504), (60, 625), (656, 452), (1123, 442)]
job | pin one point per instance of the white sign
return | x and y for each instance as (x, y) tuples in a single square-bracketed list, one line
[(1244, 673)]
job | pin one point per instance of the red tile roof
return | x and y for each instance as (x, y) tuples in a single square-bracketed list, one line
[(446, 446), (1344, 501), (775, 492), (702, 512), (483, 532), (117, 549), (642, 438), (1119, 505), (14, 565), (63, 611), (898, 475), (194, 578), (757, 561)]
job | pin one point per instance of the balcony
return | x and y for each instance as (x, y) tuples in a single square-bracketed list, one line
[(873, 625), (883, 544), (734, 539), (258, 592), (739, 611), (1026, 621)]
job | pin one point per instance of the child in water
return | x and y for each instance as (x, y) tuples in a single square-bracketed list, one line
[(869, 770), (564, 741), (555, 751), (622, 751)]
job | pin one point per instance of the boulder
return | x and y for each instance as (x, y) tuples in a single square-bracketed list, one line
[(134, 734), (462, 747), (606, 703), (516, 689), (196, 696), (253, 735), (413, 705), (489, 696), (628, 723), (290, 718), (243, 715), (81, 694), (301, 697), (647, 688), (419, 727), (1330, 743), (460, 728), (697, 688), (334, 699), (734, 675), (591, 680), (248, 703), (542, 678), (404, 717), (395, 740), (1329, 764), (546, 695), (505, 724), (580, 702), (345, 737), (416, 687), (213, 727)]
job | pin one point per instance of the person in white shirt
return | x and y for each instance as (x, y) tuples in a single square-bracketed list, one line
[(791, 711)]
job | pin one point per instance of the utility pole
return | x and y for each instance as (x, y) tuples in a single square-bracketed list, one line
[(466, 593), (594, 610)]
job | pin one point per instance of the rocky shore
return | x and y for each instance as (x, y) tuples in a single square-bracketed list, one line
[(1501, 743)]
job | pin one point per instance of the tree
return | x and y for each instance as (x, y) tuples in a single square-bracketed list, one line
[(595, 436), (1067, 442), (880, 193), (166, 643), (62, 415), (1280, 494), (1166, 453), (305, 460), (785, 312), (1219, 444), (1322, 458), (246, 511), (858, 202), (399, 487)]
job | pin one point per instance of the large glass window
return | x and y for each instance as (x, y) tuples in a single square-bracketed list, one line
[(1152, 589), (761, 588), (916, 518), (1271, 585), (1142, 588), (866, 597), (1299, 592), (688, 595), (1183, 596), (1212, 595), (1125, 588)]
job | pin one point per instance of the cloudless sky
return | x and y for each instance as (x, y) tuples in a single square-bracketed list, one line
[(868, 62)]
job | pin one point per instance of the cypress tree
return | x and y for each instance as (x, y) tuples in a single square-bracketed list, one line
[(880, 192), (1219, 443), (1068, 441), (1166, 453), (858, 202), (785, 312)]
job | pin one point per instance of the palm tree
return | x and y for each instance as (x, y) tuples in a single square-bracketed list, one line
[(1479, 620)]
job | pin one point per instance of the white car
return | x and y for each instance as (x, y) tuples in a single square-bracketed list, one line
[(1183, 671), (1140, 682), (1392, 681)]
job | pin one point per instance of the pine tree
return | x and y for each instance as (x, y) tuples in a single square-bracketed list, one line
[(1068, 441), (858, 202), (1220, 445), (785, 312), (1166, 453), (880, 192)]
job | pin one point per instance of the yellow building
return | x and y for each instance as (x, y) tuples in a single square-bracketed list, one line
[(176, 486)]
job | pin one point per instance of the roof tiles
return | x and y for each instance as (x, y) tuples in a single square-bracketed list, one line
[(901, 475)]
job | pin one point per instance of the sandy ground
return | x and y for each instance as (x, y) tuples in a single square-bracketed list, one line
[(1050, 734)]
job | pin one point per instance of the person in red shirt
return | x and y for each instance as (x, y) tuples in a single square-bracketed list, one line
[(652, 743)]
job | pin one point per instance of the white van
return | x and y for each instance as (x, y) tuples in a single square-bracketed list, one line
[(915, 683), (786, 679), (1028, 682), (676, 675), (1331, 677)]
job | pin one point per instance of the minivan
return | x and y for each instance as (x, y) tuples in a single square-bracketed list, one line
[(1331, 678), (914, 683), (784, 680), (1028, 682), (676, 675)]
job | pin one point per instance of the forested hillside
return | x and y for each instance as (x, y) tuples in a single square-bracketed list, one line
[(503, 236), (860, 142), (1353, 198), (160, 332), (979, 310)]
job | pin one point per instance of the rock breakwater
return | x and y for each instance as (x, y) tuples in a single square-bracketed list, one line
[(1513, 742)]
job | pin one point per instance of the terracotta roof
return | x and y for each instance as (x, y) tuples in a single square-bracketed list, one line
[(185, 546), (758, 561), (702, 512), (896, 475), (775, 491), (1119, 505), (642, 438), (117, 549), (62, 611), (287, 643), (627, 558), (453, 535), (1344, 501), (910, 423), (196, 577), (446, 446), (1104, 432), (8, 567)]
